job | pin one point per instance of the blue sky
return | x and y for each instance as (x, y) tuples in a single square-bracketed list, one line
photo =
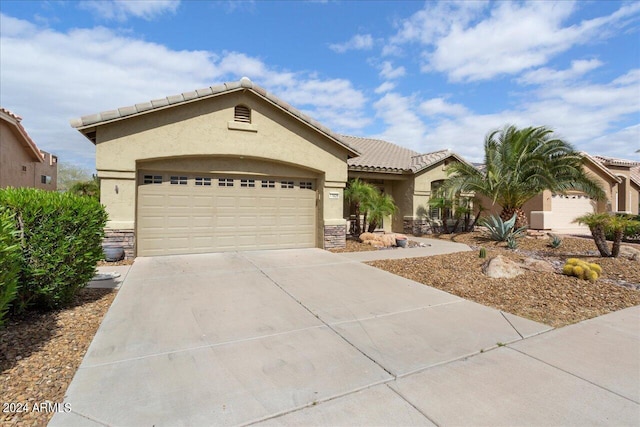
[(426, 76)]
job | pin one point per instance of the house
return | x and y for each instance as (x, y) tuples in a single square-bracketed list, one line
[(409, 177), (223, 168), (22, 163)]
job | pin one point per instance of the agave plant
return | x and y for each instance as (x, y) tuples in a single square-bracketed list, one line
[(555, 241), (502, 231)]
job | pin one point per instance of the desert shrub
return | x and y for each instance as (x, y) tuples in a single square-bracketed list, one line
[(60, 241), (9, 261), (555, 241), (502, 231)]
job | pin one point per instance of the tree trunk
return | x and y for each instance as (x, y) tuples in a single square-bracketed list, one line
[(617, 241), (372, 226), (598, 233), (357, 229), (521, 216)]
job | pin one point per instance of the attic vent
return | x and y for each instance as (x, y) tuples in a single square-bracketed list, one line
[(242, 114)]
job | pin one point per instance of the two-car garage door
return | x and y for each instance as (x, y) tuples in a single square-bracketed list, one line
[(180, 213)]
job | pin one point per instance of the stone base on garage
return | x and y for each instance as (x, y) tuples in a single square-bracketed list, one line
[(335, 236), (121, 238)]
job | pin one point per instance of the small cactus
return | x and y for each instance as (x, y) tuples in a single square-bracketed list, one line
[(555, 241), (582, 270), (483, 253)]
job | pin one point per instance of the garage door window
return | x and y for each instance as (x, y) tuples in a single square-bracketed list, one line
[(248, 183), (202, 181), (178, 180), (268, 184), (305, 185), (225, 182), (286, 184), (152, 179)]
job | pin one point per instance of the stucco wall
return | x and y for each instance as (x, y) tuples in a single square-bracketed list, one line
[(204, 130), (422, 187), (14, 156)]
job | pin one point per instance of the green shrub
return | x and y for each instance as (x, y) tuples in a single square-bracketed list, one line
[(500, 230), (9, 261), (61, 242)]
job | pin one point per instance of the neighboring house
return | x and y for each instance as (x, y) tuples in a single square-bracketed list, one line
[(224, 168), (409, 177), (22, 164), (620, 180)]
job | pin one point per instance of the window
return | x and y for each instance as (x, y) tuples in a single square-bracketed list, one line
[(45, 179), (152, 179), (268, 184), (286, 184), (178, 180), (24, 168), (306, 185), (248, 183), (242, 114), (225, 182), (202, 181)]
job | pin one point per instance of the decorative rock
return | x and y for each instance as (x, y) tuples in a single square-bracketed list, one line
[(630, 252), (501, 267), (537, 265)]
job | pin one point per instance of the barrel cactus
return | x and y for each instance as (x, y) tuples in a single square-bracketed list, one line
[(582, 270)]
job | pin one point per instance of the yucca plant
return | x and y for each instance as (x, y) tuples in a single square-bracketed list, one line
[(500, 230)]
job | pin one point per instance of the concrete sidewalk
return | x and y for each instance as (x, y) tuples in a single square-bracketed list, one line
[(432, 247), (306, 337)]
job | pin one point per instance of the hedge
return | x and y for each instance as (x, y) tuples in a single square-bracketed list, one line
[(9, 261), (60, 236)]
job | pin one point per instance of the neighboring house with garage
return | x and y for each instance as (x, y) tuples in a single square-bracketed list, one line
[(411, 178), (224, 168), (22, 163)]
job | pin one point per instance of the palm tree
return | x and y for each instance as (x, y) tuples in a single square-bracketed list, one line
[(378, 207), (357, 194), (600, 224), (519, 164)]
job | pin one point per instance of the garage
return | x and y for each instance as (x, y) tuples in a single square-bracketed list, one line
[(181, 213), (566, 208)]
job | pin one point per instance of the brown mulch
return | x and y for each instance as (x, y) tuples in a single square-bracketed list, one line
[(550, 298), (40, 353)]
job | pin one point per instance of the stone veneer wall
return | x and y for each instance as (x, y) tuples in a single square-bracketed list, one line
[(124, 238), (416, 227), (335, 236)]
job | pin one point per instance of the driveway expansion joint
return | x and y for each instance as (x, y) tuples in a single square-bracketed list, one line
[(574, 375)]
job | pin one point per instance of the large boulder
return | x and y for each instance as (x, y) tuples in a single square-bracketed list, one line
[(501, 267), (629, 252), (538, 265), (381, 240)]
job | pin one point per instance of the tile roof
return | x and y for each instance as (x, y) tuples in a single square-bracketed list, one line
[(16, 120), (86, 123), (612, 161), (383, 156), (378, 155)]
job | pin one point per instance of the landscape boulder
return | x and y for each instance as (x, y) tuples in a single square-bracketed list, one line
[(381, 240), (630, 253), (538, 265), (501, 267)]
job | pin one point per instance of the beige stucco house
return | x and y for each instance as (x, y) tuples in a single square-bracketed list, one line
[(223, 168), (411, 178), (22, 163)]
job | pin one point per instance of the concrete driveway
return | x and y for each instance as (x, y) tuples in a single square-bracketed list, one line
[(306, 337)]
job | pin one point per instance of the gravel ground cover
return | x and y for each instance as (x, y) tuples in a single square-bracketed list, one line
[(40, 353), (551, 298)]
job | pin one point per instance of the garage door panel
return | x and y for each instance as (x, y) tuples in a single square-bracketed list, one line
[(176, 219)]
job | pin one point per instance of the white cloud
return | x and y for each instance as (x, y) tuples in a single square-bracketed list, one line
[(461, 40), (438, 106), (385, 87), (50, 77), (357, 42), (388, 72), (548, 75), (403, 126), (121, 10)]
